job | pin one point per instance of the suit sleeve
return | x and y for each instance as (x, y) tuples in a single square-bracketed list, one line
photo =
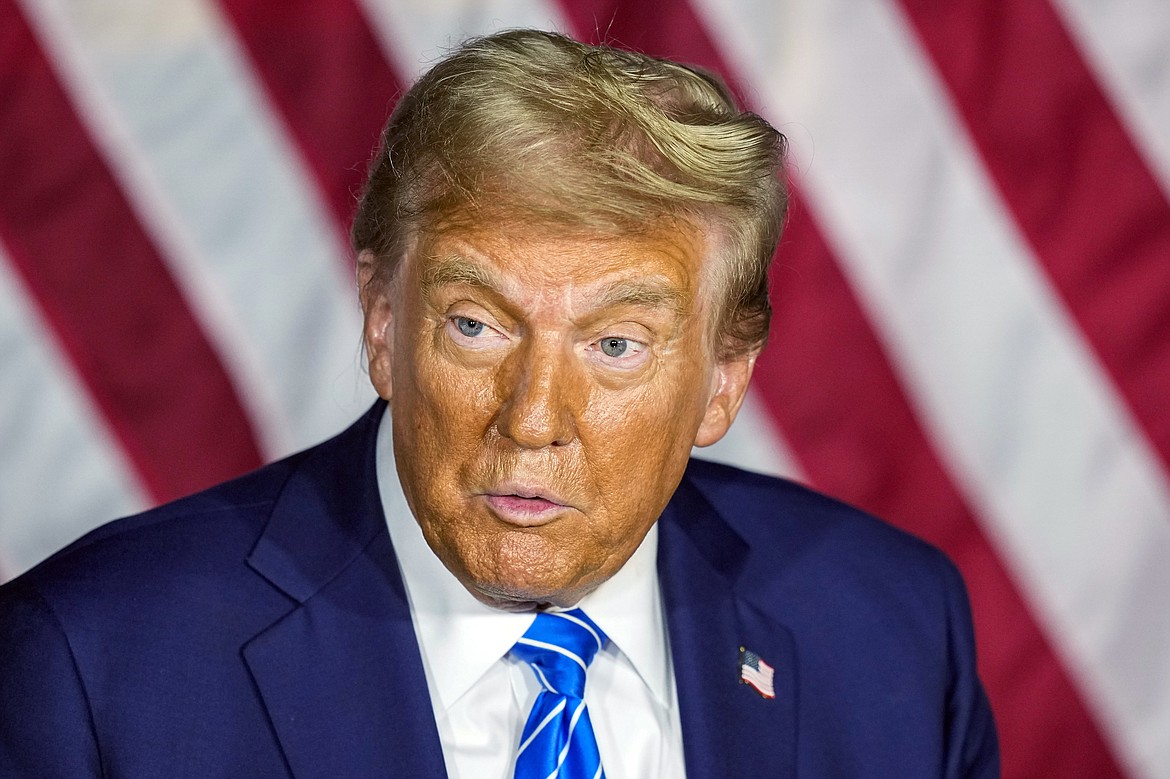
[(46, 728), (972, 745)]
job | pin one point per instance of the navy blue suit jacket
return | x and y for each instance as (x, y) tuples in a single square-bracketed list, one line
[(261, 629)]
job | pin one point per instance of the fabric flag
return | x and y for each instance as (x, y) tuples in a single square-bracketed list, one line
[(972, 330)]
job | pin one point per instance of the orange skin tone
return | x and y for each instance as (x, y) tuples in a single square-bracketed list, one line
[(546, 392)]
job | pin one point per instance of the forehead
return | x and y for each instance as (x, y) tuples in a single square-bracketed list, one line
[(669, 260)]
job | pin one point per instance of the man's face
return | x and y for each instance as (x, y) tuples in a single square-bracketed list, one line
[(545, 393)]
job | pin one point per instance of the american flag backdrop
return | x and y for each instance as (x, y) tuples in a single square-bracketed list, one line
[(972, 329)]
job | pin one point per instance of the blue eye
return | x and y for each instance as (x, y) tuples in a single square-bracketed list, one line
[(614, 347), (469, 327)]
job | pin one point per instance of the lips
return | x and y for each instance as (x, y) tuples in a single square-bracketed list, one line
[(525, 506)]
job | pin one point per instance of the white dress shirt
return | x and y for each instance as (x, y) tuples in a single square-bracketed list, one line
[(481, 695)]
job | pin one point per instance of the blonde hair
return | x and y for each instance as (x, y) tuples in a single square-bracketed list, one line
[(533, 125)]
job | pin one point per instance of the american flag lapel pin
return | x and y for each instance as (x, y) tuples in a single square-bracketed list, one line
[(755, 672)]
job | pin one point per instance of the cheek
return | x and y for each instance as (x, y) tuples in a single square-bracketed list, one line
[(658, 418), (637, 447), (449, 401)]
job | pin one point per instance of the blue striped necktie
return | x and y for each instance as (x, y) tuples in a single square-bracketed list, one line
[(558, 738)]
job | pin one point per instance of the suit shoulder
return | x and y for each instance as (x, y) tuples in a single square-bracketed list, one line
[(191, 532), (783, 508), (826, 568), (793, 528), (201, 543)]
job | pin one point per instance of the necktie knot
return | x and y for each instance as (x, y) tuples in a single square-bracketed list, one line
[(560, 645)]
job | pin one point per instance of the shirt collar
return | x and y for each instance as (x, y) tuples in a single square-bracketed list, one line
[(461, 638)]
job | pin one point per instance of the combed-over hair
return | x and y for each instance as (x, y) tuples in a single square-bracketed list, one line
[(535, 126)]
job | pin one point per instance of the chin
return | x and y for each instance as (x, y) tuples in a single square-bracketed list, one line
[(524, 595)]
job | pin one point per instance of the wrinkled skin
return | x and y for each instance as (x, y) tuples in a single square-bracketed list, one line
[(546, 391)]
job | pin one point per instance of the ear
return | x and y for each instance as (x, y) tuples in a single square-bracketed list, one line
[(377, 330), (729, 384)]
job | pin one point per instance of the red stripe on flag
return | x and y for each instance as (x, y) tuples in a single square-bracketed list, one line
[(1091, 209), (115, 309), (326, 74), (828, 382)]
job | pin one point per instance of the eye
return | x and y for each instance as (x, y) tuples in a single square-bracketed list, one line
[(614, 347), (617, 351), (472, 333), (469, 327)]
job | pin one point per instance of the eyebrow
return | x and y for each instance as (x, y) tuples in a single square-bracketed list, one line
[(453, 270), (654, 292), (647, 294)]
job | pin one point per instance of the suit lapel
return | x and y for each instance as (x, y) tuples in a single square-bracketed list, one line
[(728, 728), (340, 674)]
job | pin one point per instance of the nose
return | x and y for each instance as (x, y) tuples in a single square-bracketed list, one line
[(540, 390)]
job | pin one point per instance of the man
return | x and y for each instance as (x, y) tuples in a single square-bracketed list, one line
[(562, 260)]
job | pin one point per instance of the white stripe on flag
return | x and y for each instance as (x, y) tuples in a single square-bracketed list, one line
[(416, 34), (1034, 432)]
